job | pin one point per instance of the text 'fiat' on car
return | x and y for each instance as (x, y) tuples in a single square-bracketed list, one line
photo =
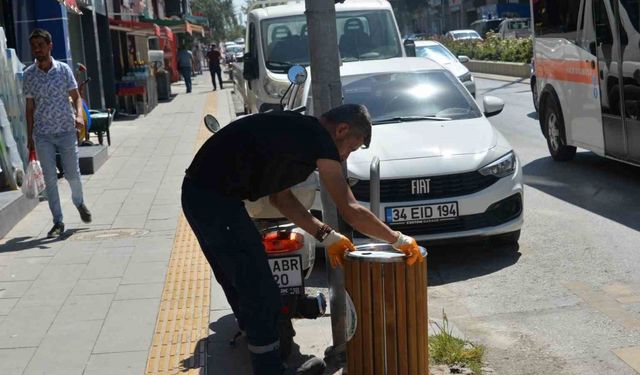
[(446, 172)]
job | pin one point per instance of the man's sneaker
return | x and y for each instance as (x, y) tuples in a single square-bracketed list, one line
[(314, 366), (85, 215), (56, 231)]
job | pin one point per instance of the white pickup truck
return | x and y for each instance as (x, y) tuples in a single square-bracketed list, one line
[(277, 38)]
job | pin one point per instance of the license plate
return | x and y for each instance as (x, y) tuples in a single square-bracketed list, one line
[(422, 214), (287, 272)]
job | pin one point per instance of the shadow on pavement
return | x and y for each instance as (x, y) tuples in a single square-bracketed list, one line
[(534, 115), (457, 262), (25, 243), (224, 358), (447, 263), (605, 187)]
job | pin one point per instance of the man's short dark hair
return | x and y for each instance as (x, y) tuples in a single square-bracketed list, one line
[(356, 115), (40, 33)]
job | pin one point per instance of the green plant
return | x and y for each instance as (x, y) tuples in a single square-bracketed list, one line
[(446, 349), (493, 48)]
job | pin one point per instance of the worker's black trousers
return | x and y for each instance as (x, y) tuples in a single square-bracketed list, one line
[(233, 247)]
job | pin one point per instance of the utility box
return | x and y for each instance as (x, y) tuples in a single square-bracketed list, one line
[(389, 330)]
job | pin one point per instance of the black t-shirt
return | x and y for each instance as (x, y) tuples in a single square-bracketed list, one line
[(262, 154)]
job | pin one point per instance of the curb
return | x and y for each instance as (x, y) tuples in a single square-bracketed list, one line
[(498, 77), (522, 70)]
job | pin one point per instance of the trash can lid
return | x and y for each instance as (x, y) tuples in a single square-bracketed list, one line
[(380, 252)]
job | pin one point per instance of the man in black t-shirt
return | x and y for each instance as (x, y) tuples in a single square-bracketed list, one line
[(265, 155), (214, 57)]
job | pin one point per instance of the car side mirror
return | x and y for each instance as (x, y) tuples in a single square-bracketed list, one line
[(250, 67), (211, 123), (492, 105), (410, 47), (464, 59)]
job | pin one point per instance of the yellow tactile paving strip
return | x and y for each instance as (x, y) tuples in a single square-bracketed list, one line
[(178, 345)]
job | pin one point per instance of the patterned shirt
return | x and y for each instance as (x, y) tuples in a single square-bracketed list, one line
[(50, 93)]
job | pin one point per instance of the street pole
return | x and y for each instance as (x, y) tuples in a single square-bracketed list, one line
[(327, 93)]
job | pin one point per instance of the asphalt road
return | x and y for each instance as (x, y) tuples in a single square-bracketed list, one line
[(568, 297)]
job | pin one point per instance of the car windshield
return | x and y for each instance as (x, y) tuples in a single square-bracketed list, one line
[(436, 52), (234, 49), (410, 96), (362, 35)]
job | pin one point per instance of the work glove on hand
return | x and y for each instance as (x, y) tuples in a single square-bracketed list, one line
[(409, 247), (336, 245)]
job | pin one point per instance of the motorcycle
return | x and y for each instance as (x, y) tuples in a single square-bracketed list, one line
[(290, 250)]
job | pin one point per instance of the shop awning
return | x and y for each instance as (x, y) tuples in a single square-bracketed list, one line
[(71, 5), (135, 27), (178, 26)]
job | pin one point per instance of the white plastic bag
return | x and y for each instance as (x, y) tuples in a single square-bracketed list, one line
[(34, 179)]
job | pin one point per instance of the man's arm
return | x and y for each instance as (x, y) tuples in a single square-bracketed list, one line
[(360, 218), (29, 113), (77, 103), (290, 206)]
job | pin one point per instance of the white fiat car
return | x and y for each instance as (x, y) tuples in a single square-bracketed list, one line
[(446, 172)]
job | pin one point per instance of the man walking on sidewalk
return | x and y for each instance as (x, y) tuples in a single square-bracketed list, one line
[(185, 65), (214, 57), (52, 125), (265, 155)]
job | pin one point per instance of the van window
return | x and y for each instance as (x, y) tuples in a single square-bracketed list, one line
[(362, 35), (557, 18)]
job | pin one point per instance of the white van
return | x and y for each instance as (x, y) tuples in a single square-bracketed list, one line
[(277, 39)]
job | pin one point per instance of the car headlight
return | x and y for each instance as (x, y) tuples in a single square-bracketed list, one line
[(504, 166), (275, 89), (465, 77)]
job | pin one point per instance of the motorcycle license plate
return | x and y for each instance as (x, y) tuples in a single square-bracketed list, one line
[(422, 214), (287, 272)]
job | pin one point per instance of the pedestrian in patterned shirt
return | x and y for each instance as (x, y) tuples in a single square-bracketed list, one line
[(53, 125)]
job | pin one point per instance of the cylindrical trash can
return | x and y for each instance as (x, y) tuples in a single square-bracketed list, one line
[(390, 301)]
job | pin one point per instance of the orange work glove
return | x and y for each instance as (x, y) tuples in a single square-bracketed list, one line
[(409, 247), (336, 245)]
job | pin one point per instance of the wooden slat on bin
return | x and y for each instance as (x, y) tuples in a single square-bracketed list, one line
[(350, 284), (421, 314), (356, 296), (401, 318), (390, 318), (412, 338), (367, 324), (378, 319)]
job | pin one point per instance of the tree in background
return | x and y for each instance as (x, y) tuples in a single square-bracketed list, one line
[(221, 16)]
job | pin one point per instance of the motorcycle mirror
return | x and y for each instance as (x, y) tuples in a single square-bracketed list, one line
[(211, 123), (297, 75)]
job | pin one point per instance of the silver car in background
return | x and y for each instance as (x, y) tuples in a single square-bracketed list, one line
[(441, 54)]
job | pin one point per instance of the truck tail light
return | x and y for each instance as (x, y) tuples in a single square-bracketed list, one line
[(280, 242)]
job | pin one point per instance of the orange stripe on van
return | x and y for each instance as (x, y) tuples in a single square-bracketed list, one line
[(577, 71)]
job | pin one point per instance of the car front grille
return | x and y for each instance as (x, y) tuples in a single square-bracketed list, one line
[(446, 186)]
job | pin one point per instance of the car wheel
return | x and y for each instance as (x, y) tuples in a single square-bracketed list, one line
[(510, 238), (554, 131), (534, 94)]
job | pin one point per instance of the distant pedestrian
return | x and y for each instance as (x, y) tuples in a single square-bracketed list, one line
[(185, 65), (214, 57), (52, 125)]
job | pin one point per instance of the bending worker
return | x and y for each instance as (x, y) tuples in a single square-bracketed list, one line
[(265, 155)]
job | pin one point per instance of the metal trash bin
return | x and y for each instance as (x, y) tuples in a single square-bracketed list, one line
[(163, 85), (390, 301)]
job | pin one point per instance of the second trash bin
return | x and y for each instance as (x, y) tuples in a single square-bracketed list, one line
[(390, 302)]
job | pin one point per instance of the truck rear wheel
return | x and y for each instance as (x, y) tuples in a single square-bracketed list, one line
[(555, 131)]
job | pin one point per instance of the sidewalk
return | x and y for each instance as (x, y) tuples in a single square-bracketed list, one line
[(88, 304)]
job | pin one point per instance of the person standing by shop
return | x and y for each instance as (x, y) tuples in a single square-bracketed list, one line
[(52, 125), (185, 64), (214, 57)]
